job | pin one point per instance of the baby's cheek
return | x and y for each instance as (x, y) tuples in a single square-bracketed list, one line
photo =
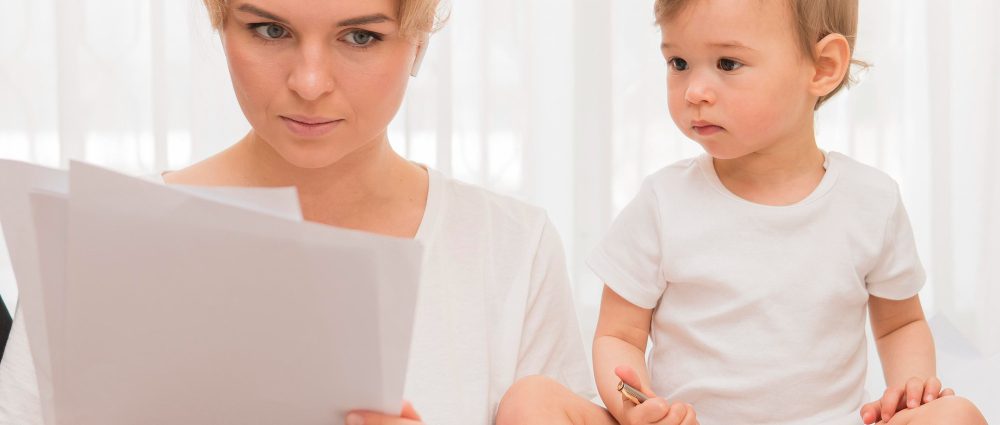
[(676, 106), (763, 119)]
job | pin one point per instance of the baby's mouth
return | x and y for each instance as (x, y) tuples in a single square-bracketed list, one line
[(706, 128)]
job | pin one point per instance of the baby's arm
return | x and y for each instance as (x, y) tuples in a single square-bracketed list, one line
[(903, 338), (620, 340), (906, 349)]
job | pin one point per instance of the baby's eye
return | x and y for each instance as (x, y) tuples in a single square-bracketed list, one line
[(729, 65), (270, 31), (360, 38), (677, 64)]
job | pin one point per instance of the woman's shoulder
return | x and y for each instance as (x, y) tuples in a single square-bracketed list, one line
[(465, 207), (209, 172)]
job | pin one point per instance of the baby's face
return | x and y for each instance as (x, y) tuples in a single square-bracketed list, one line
[(738, 80)]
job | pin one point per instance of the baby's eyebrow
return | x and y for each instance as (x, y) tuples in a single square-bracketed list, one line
[(718, 45), (731, 45)]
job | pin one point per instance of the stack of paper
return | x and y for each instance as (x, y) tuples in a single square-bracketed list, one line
[(152, 304)]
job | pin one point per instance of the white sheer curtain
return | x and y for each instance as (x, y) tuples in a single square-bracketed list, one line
[(557, 102)]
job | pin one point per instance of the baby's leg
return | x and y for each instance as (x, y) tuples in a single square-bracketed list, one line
[(945, 410), (540, 400)]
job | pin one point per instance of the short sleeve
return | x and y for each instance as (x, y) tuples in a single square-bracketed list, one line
[(897, 273), (628, 260), (551, 341)]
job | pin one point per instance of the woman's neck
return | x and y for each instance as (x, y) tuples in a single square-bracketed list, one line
[(362, 174), (371, 189)]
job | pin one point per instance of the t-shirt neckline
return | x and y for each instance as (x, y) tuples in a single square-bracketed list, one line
[(431, 206), (707, 167)]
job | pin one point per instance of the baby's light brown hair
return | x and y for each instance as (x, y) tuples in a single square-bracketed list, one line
[(814, 20)]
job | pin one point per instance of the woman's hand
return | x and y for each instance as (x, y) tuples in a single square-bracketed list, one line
[(914, 393), (408, 416), (655, 410)]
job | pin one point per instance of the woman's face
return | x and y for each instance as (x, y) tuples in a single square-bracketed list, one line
[(317, 79)]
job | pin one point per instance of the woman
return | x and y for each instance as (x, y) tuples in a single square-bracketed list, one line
[(319, 82)]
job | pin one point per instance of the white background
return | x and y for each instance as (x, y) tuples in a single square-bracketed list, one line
[(558, 102)]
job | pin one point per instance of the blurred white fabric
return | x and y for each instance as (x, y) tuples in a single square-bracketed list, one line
[(561, 103)]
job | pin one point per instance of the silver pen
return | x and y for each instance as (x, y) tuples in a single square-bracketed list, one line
[(630, 393)]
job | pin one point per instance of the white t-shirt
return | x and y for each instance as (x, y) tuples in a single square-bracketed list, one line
[(495, 305), (759, 311)]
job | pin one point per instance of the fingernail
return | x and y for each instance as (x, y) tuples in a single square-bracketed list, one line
[(354, 419), (912, 403), (928, 398)]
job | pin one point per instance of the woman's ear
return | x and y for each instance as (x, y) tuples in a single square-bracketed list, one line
[(421, 51), (832, 60)]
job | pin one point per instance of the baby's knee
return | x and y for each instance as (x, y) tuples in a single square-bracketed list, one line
[(533, 399), (945, 410), (960, 410)]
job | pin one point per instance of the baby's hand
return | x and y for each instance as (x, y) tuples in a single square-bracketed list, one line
[(915, 392), (655, 410)]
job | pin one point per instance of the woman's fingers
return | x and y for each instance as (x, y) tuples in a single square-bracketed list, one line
[(947, 392), (408, 416), (372, 418), (409, 412)]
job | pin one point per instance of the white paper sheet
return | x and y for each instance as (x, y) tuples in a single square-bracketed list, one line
[(282, 202), (203, 305), (17, 181), (50, 213), (180, 309)]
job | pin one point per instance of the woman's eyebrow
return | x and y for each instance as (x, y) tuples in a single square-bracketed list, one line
[(249, 8), (376, 18)]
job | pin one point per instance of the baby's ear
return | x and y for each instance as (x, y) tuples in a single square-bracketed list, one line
[(831, 61)]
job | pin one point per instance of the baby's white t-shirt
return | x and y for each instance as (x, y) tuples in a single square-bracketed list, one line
[(759, 311), (494, 305)]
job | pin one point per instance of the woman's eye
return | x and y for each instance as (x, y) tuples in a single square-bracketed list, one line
[(361, 38), (729, 65), (677, 64), (270, 31)]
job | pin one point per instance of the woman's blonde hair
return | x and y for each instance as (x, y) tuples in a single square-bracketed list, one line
[(415, 16), (814, 20)]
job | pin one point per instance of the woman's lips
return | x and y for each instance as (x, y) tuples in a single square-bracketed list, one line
[(310, 127)]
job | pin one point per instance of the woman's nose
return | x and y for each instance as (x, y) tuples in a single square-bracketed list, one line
[(313, 75)]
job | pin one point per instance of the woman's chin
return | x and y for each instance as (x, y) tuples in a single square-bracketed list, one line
[(311, 158)]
